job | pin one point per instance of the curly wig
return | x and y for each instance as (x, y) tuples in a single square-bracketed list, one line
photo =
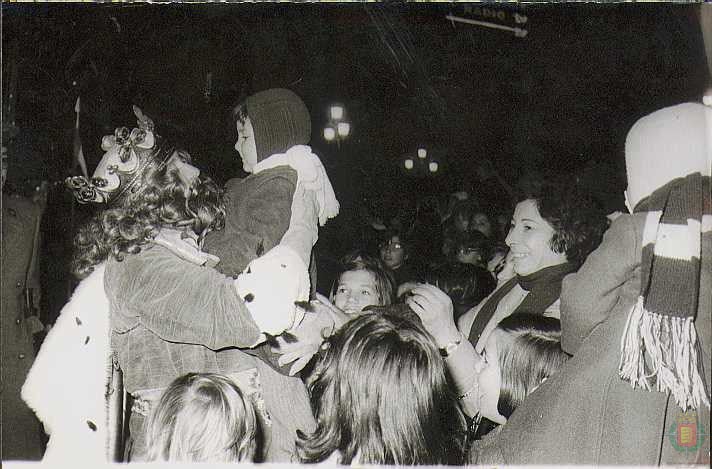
[(577, 219), (380, 395), (133, 221)]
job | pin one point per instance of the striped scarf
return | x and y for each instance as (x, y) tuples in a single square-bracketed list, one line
[(660, 339)]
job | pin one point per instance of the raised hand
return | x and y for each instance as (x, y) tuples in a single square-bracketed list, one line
[(435, 310), (318, 324)]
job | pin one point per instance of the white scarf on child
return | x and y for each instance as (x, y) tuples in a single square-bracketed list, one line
[(310, 173)]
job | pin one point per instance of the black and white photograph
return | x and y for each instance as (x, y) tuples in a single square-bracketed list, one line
[(356, 234)]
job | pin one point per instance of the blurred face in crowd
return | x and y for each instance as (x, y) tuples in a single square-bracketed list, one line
[(355, 291), (392, 253), (490, 379), (480, 222), (461, 222), (469, 255), (529, 240), (245, 145)]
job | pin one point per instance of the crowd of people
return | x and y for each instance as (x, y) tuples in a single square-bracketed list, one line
[(554, 334)]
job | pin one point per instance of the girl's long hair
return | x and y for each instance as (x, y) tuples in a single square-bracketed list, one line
[(132, 222), (380, 395), (528, 352)]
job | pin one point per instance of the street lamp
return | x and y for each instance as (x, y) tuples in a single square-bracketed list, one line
[(336, 112), (337, 128), (421, 164)]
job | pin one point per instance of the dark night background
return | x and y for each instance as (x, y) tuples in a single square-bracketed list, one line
[(559, 100)]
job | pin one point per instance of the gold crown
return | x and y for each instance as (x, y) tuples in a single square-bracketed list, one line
[(129, 154)]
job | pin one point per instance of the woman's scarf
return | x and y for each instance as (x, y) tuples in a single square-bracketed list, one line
[(660, 325), (544, 287)]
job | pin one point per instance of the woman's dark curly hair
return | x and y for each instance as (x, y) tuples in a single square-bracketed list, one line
[(132, 222), (577, 218), (380, 394)]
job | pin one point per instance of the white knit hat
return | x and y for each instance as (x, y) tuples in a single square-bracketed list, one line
[(667, 144)]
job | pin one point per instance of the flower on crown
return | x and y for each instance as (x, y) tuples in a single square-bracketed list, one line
[(129, 153), (126, 141)]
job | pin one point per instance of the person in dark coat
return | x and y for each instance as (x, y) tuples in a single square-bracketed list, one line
[(20, 293), (285, 198), (634, 392)]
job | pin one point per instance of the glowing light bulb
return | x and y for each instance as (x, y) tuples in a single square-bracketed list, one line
[(433, 167), (329, 133), (422, 153), (343, 129), (336, 112), (408, 164)]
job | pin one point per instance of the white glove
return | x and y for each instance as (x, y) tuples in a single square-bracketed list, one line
[(270, 286)]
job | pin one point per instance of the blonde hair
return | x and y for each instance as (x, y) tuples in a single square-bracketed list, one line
[(201, 417)]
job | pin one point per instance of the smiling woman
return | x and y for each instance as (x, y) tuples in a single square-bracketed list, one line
[(552, 231), (530, 238)]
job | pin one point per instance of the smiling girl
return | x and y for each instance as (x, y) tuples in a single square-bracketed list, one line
[(363, 282)]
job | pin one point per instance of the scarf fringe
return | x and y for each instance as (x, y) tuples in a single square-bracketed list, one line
[(672, 348)]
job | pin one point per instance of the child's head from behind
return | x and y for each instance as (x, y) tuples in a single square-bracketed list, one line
[(202, 417), (522, 352), (363, 281), (667, 144), (380, 396), (465, 284)]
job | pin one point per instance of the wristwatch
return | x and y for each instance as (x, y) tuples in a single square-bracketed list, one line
[(450, 347)]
